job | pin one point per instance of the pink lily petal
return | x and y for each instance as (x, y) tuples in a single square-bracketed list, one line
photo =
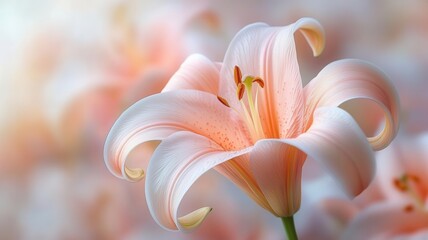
[(198, 73), (270, 54), (334, 139), (158, 116), (277, 168), (238, 171), (350, 79), (386, 220), (177, 163)]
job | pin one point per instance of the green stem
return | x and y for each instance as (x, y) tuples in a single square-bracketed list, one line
[(288, 223)]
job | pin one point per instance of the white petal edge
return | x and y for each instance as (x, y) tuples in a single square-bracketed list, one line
[(176, 164)]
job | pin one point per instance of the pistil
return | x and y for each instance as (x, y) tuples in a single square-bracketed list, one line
[(245, 85), (254, 111)]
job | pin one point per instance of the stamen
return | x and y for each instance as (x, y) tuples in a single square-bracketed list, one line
[(400, 185), (224, 101), (408, 184), (255, 117), (237, 75), (244, 85), (240, 91), (259, 81)]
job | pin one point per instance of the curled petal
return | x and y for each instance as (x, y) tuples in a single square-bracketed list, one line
[(198, 73), (270, 53), (351, 79), (158, 116), (334, 139), (135, 174), (313, 32), (176, 164), (337, 142)]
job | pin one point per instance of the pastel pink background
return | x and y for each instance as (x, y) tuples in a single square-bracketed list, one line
[(69, 68)]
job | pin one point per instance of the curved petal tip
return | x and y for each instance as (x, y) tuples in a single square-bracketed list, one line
[(134, 174), (194, 219), (314, 34)]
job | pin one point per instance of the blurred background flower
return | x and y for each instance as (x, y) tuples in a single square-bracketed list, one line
[(69, 68)]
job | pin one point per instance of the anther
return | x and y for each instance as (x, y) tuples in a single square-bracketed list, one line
[(223, 101), (237, 74), (244, 85), (240, 91), (400, 184), (259, 81), (409, 184)]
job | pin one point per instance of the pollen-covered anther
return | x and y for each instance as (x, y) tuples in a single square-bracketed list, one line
[(223, 101), (237, 74), (259, 81), (244, 85), (240, 90)]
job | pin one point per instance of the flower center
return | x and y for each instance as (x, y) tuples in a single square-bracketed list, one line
[(411, 185), (244, 85)]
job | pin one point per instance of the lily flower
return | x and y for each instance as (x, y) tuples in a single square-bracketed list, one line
[(399, 191), (403, 183), (251, 119)]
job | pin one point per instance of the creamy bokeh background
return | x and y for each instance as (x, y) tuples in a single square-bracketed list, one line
[(69, 68)]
